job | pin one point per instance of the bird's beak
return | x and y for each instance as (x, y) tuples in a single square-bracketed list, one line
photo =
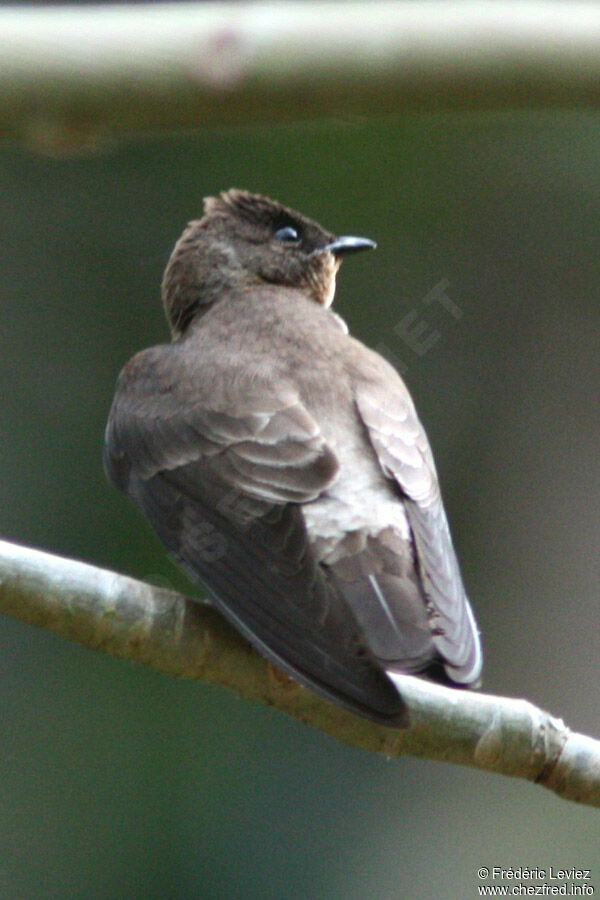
[(342, 245)]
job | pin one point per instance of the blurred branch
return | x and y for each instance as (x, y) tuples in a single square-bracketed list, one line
[(78, 76), (166, 631)]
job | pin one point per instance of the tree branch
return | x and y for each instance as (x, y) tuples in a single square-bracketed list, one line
[(72, 75), (166, 631)]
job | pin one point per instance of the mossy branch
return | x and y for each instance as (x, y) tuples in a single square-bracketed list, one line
[(166, 631)]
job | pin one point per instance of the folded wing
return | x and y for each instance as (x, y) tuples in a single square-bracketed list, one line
[(221, 483), (404, 455)]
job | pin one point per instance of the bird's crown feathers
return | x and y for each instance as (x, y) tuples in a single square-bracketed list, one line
[(251, 208)]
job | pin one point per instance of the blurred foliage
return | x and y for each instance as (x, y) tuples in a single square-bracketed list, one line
[(117, 782)]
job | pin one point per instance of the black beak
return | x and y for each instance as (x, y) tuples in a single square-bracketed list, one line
[(343, 245)]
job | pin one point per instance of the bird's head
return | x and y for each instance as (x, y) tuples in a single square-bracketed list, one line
[(245, 239)]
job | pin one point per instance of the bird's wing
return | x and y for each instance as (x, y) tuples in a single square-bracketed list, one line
[(264, 443), (403, 452), (221, 486)]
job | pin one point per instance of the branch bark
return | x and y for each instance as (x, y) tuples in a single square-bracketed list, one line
[(74, 76), (179, 636)]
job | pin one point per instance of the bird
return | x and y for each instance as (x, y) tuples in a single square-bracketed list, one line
[(284, 468)]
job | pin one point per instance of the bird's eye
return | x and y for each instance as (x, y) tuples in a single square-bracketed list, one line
[(286, 235)]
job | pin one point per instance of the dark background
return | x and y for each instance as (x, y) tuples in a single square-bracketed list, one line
[(119, 782)]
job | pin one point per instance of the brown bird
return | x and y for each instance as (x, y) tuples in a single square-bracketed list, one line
[(284, 467)]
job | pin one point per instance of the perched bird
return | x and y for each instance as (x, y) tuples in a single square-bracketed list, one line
[(283, 465)]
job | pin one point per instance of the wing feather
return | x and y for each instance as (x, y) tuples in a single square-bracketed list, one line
[(221, 489), (403, 451)]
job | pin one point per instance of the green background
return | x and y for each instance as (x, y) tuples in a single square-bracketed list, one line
[(117, 782)]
